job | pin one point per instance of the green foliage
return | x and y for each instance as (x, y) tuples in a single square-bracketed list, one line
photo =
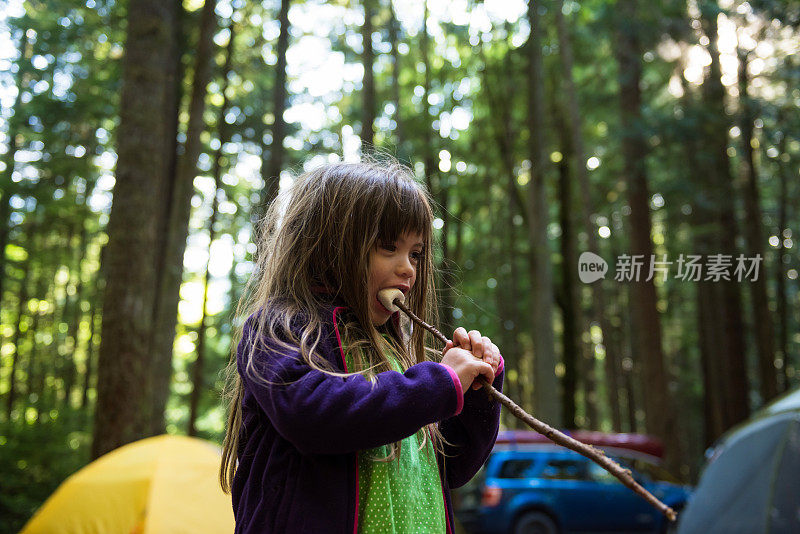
[(35, 457)]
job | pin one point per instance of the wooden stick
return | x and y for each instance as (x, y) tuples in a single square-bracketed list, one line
[(593, 453)]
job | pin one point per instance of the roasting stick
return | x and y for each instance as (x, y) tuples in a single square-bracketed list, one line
[(394, 300)]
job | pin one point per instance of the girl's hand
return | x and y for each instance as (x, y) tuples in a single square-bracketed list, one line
[(481, 347), (467, 367)]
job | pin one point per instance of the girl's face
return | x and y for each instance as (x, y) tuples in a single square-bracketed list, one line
[(392, 265)]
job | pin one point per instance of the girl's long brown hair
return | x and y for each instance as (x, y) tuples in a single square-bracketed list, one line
[(320, 234)]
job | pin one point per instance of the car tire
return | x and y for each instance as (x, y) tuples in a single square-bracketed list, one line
[(535, 523)]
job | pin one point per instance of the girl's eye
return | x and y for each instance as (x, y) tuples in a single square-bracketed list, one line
[(415, 256)]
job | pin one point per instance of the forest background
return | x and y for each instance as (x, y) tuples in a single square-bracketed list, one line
[(141, 139)]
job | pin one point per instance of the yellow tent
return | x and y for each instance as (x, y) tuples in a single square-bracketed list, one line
[(164, 484)]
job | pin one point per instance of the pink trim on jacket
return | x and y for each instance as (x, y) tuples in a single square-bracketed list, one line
[(446, 513), (459, 389), (338, 337), (344, 364)]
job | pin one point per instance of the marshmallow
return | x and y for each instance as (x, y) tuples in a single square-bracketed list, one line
[(387, 297)]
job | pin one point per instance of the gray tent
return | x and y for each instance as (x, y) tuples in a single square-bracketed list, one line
[(751, 485)]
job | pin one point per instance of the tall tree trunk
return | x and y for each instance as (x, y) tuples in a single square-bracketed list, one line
[(588, 369), (630, 373), (714, 129), (427, 156), (21, 81), (198, 368), (570, 300), (394, 38), (145, 151), (62, 314), (754, 235), (571, 303), (368, 85), (91, 362), (506, 295), (48, 366), (22, 305), (171, 272), (447, 303), (75, 315), (504, 134), (619, 370), (171, 105), (272, 160), (87, 377), (503, 129), (546, 387), (501, 102), (780, 268), (34, 366), (35, 369), (437, 184), (708, 296), (660, 418), (597, 304), (512, 350), (613, 341), (714, 408), (224, 136)]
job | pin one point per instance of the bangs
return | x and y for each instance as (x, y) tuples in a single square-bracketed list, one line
[(406, 211)]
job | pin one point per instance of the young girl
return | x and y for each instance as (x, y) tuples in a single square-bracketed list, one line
[(340, 419)]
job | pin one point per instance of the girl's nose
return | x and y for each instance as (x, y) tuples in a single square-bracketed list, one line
[(405, 268)]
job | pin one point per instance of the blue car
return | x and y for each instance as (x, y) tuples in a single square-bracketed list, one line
[(527, 488)]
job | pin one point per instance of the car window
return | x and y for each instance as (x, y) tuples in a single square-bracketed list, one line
[(652, 471), (640, 468), (565, 470), (517, 468), (599, 474)]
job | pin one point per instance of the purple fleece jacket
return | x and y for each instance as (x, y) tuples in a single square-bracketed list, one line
[(298, 465)]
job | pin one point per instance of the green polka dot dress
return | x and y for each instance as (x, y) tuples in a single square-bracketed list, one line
[(403, 495)]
